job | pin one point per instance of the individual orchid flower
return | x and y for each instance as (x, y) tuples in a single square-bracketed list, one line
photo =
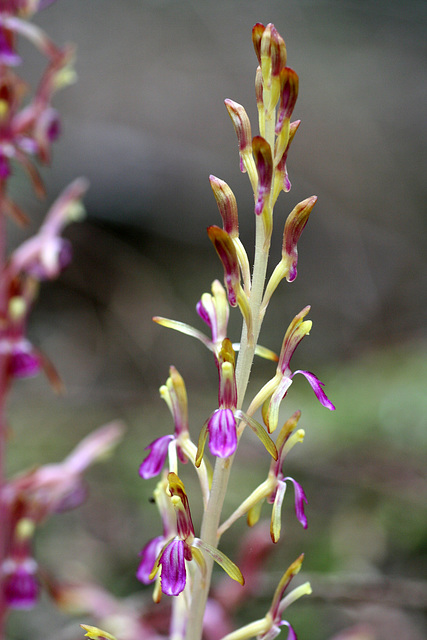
[(227, 253), (213, 309), (175, 396), (227, 206), (47, 253), (281, 176), (288, 97), (273, 392), (152, 549), (185, 547), (274, 487), (176, 446), (221, 426), (268, 628), (287, 267)]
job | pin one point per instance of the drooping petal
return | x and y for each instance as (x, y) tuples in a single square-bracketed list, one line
[(148, 557), (173, 574), (222, 433), (153, 463), (300, 499), (291, 632), (317, 387)]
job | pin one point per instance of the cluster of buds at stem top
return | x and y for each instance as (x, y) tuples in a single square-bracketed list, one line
[(35, 495)]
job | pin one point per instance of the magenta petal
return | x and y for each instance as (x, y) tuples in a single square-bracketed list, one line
[(20, 585), (291, 633), (23, 363), (201, 310), (148, 557), (222, 433), (317, 385), (153, 463), (300, 499), (172, 561)]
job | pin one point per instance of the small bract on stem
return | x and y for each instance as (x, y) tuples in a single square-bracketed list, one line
[(170, 557)]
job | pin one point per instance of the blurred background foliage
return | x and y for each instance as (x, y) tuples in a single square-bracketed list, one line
[(146, 125)]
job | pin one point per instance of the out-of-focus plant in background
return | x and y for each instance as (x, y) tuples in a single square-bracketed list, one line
[(142, 108)]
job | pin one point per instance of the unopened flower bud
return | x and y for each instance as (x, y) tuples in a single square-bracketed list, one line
[(227, 254), (264, 166), (288, 96), (227, 205), (294, 227), (242, 127)]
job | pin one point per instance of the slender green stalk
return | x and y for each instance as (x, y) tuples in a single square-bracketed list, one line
[(223, 467)]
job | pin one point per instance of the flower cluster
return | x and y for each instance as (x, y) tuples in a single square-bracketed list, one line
[(29, 125), (33, 496), (170, 557)]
